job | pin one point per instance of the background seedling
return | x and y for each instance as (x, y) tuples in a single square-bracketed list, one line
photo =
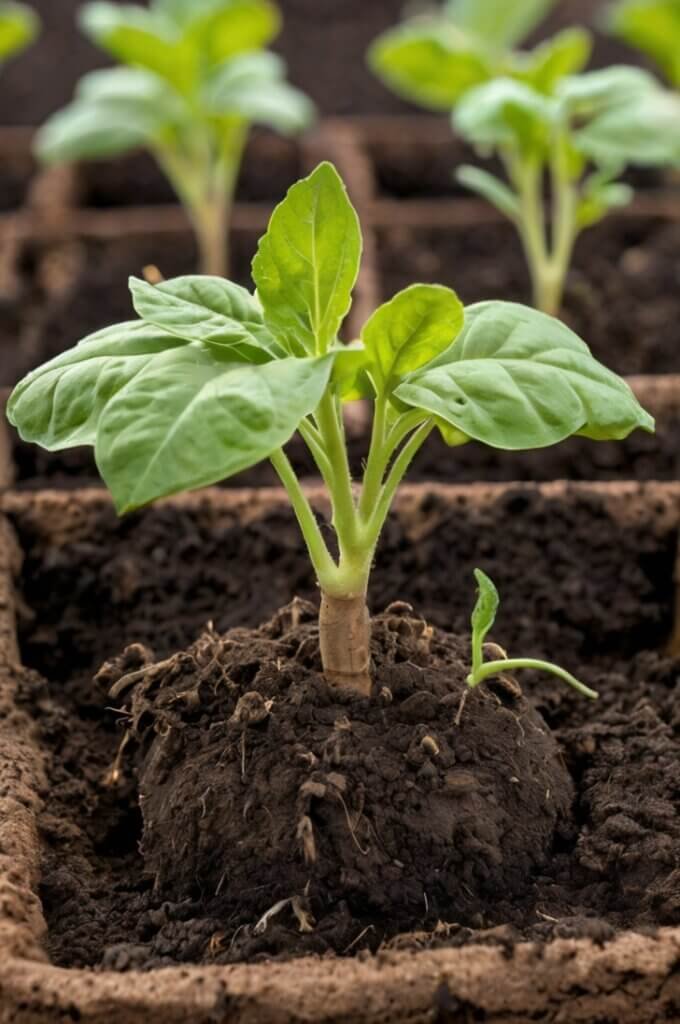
[(653, 27), (581, 136), (196, 79), (19, 26), (434, 60), (211, 380)]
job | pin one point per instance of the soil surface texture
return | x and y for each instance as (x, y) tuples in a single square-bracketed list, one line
[(91, 586), (622, 296)]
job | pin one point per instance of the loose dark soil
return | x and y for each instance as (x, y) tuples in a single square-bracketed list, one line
[(623, 294), (578, 586), (67, 289)]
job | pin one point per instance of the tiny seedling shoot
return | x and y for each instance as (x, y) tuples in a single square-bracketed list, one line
[(194, 78), (653, 28), (19, 26), (212, 379)]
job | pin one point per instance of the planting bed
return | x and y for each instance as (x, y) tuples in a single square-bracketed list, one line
[(586, 574)]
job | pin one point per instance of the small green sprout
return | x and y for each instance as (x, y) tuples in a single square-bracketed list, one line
[(653, 27), (19, 26), (212, 379), (483, 618), (581, 137), (196, 79)]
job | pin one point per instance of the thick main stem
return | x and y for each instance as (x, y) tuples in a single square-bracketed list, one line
[(345, 642)]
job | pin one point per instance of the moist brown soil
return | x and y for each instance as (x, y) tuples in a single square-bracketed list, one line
[(578, 586), (68, 289), (623, 293)]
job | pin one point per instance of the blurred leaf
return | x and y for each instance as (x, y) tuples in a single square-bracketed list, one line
[(652, 26), (505, 112), (253, 86), (500, 23), (566, 53), (490, 188), (19, 26)]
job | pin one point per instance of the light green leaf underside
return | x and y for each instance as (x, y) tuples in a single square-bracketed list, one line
[(189, 421), (307, 263), (209, 310), (252, 86), (411, 329), (58, 405), (652, 26), (518, 379)]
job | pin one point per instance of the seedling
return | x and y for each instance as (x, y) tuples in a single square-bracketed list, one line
[(653, 27), (196, 79), (581, 136), (19, 26), (211, 380), (434, 60)]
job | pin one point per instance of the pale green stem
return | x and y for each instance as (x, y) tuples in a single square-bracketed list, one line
[(324, 566), (396, 475), (375, 470), (494, 668), (314, 442), (380, 457), (344, 507)]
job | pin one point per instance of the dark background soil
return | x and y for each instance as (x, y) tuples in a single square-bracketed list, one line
[(576, 586), (324, 49), (623, 292)]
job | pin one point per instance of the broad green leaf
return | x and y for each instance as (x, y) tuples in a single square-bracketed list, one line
[(490, 188), (518, 379), (59, 404), (114, 110), (19, 26), (232, 28), (410, 330), (351, 376), (253, 87), (91, 130), (433, 65), (142, 38), (643, 131), (500, 23), (190, 420), (597, 91), (507, 113), (599, 198), (307, 263), (211, 310), (483, 614), (542, 68), (652, 26)]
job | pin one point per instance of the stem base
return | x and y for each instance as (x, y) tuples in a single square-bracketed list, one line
[(345, 640)]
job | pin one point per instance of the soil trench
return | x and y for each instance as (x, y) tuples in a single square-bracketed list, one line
[(92, 585)]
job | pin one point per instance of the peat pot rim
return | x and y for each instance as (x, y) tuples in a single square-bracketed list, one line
[(633, 978)]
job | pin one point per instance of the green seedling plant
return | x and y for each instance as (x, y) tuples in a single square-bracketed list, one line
[(653, 28), (579, 139), (194, 77), (19, 26), (211, 379), (434, 60)]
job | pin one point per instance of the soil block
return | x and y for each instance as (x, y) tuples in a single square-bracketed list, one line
[(586, 576)]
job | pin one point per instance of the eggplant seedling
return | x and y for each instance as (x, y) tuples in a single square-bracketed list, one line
[(212, 379), (19, 26), (653, 28), (197, 77), (581, 136)]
